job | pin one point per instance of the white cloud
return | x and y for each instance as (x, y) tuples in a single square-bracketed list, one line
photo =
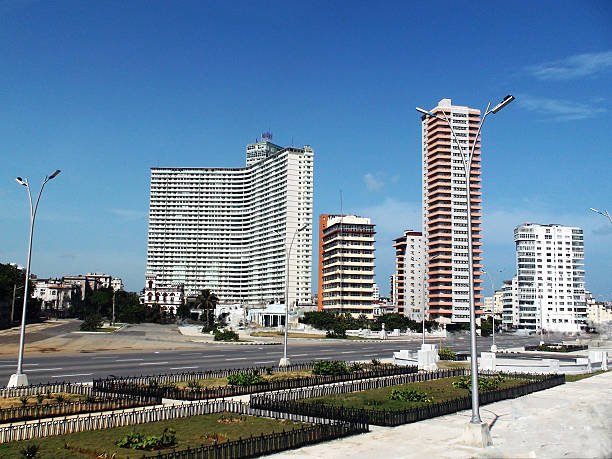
[(558, 109), (581, 65), (373, 182)]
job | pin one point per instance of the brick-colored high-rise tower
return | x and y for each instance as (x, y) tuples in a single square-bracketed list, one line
[(445, 212)]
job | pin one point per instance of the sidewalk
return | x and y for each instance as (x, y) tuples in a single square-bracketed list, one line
[(572, 420)]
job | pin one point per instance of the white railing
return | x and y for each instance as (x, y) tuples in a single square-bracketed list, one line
[(96, 421)]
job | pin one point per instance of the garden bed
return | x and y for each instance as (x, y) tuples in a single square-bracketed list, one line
[(201, 386), (413, 401), (437, 390), (190, 432)]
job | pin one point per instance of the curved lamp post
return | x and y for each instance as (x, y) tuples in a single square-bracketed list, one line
[(605, 213), (19, 378), (467, 167), (284, 361)]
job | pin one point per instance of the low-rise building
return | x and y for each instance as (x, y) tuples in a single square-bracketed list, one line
[(598, 312), (169, 295), (117, 284), (55, 296)]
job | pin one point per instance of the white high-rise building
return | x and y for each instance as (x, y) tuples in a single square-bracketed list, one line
[(550, 270), (229, 229), (410, 272), (510, 303), (445, 212)]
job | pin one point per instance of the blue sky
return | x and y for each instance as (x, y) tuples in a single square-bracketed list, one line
[(105, 90)]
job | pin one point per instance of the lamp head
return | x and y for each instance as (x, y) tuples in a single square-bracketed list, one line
[(424, 112), (55, 174), (21, 181), (594, 210), (509, 98)]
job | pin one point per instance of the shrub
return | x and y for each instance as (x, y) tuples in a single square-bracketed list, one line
[(329, 367), (245, 379), (484, 384), (210, 328), (269, 371), (355, 367), (194, 385), (60, 398), (135, 440), (375, 362), (92, 323), (24, 400), (40, 398), (407, 395), (446, 353), (30, 450), (226, 336)]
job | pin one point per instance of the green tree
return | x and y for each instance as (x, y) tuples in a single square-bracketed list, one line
[(486, 326), (183, 311), (128, 308), (206, 301), (101, 301), (154, 314), (11, 276)]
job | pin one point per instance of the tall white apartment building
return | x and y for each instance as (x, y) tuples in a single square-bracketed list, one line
[(346, 264), (229, 229), (445, 212), (550, 270), (510, 303), (410, 273)]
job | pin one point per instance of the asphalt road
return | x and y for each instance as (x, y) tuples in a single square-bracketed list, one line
[(89, 366)]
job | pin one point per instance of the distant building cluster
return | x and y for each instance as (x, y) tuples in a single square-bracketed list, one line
[(243, 233), (57, 295)]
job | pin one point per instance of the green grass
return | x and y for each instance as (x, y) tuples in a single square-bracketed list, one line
[(378, 399), (190, 432), (574, 378), (451, 364)]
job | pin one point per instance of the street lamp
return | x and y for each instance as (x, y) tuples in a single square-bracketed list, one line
[(19, 378), (493, 346), (605, 213), (467, 167), (284, 361)]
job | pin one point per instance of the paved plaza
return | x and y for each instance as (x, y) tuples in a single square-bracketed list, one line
[(572, 421)]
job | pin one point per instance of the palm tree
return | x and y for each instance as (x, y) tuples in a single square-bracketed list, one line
[(206, 300)]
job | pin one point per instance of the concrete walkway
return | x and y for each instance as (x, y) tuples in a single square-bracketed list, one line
[(572, 420)]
